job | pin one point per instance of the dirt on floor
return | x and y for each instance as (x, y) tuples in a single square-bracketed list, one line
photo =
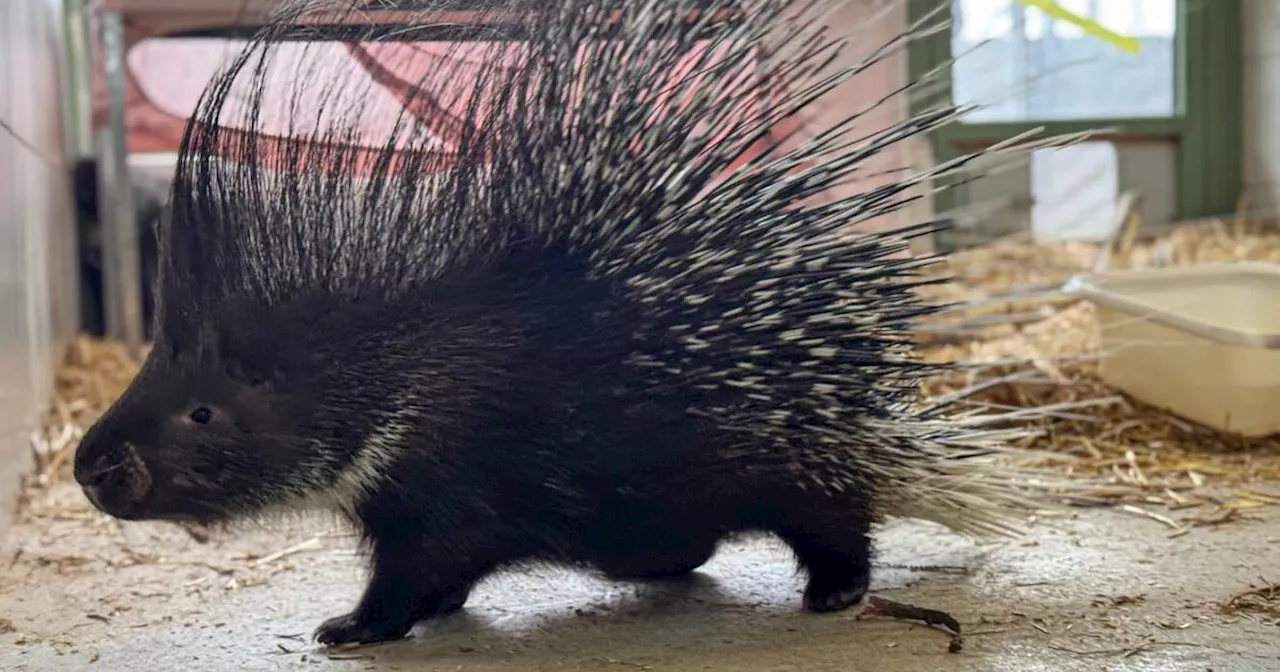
[(1103, 590)]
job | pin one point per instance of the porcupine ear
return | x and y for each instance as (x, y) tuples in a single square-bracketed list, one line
[(252, 371), (265, 378)]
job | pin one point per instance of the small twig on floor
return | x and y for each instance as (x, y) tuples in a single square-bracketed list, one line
[(1255, 599), (59, 452), (140, 557), (1139, 511), (627, 663), (1083, 502), (909, 612), (196, 532), (1219, 516), (347, 654), (1128, 652), (1120, 600), (940, 569), (357, 650), (1124, 652), (903, 611), (217, 569), (309, 545)]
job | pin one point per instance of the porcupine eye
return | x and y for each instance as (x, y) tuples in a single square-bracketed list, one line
[(201, 416)]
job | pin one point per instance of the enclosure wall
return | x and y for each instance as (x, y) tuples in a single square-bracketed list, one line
[(38, 280)]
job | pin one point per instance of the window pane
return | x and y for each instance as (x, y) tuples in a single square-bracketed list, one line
[(1022, 65)]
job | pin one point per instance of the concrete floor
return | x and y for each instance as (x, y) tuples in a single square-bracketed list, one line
[(1103, 591)]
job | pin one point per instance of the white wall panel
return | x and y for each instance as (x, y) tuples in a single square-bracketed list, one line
[(38, 287)]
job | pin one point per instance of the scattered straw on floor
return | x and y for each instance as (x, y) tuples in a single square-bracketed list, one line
[(1263, 600)]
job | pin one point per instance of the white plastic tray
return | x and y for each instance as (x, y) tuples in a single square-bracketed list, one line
[(1202, 341)]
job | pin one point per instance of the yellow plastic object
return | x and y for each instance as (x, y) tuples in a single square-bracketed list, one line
[(1201, 341), (1088, 25)]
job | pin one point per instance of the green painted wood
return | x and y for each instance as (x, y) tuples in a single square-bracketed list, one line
[(1211, 160)]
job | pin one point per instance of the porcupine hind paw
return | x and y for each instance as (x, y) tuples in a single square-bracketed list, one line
[(834, 593), (838, 562)]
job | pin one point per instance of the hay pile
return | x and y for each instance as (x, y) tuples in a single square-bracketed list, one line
[(1133, 452)]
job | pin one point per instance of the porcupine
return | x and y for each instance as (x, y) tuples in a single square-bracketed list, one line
[(603, 333)]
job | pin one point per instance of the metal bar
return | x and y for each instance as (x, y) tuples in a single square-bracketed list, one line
[(1021, 56), (436, 25), (418, 5), (77, 65), (121, 260), (391, 32)]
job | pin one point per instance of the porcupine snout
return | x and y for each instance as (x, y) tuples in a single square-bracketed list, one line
[(112, 475)]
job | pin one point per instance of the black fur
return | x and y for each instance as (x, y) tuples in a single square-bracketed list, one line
[(584, 342), (541, 450)]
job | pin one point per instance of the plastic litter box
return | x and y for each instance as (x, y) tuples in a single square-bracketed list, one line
[(1201, 341)]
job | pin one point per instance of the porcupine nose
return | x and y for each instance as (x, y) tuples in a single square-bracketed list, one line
[(96, 475), (109, 478)]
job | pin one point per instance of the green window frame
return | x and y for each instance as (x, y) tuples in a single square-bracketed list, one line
[(1206, 126)]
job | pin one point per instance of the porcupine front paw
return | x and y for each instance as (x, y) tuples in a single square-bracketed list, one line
[(363, 627), (358, 628)]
